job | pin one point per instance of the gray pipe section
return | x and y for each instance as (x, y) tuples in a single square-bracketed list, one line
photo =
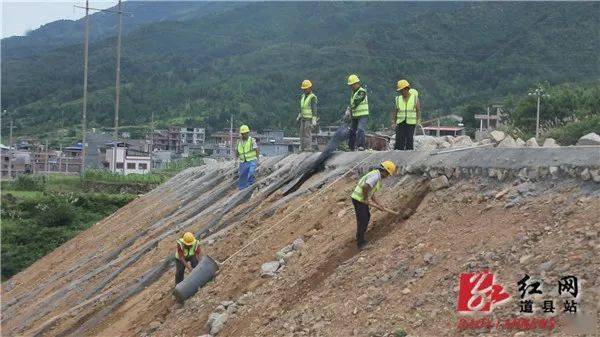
[(204, 272)]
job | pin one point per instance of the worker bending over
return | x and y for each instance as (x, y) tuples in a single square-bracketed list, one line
[(363, 197), (248, 154), (188, 250), (406, 116), (307, 118), (357, 112)]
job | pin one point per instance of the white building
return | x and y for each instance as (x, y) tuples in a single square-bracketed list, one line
[(126, 161)]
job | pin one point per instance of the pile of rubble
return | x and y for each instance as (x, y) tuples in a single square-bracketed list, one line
[(282, 257), (495, 138)]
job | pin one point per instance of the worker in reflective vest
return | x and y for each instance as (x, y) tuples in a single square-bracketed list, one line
[(357, 112), (248, 154), (406, 115), (188, 250), (364, 196), (307, 118)]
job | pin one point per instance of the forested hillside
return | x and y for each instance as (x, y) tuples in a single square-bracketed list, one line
[(63, 33), (248, 60)]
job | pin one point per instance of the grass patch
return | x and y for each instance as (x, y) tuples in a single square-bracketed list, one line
[(34, 223)]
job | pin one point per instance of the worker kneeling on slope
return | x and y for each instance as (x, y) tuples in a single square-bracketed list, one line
[(187, 255), (363, 197), (247, 152)]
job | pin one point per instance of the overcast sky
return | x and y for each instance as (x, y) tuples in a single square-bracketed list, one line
[(20, 16)]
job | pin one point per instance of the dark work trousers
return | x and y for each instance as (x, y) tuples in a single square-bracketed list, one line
[(181, 268), (404, 136), (356, 134), (363, 215)]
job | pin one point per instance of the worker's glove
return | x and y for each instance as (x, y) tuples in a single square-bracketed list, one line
[(347, 113), (315, 120), (298, 118)]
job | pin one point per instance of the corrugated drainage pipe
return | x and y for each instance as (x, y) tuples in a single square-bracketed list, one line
[(204, 272)]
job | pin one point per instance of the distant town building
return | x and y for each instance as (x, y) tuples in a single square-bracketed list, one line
[(179, 139), (19, 160), (271, 143), (219, 144), (55, 161), (120, 159), (324, 135)]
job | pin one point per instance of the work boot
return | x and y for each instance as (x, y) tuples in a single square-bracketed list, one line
[(360, 148), (361, 244)]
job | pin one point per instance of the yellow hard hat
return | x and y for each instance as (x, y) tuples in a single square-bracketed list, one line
[(306, 84), (389, 167), (353, 79), (189, 239), (244, 129), (402, 84)]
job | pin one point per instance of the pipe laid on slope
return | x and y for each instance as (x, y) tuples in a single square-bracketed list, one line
[(199, 276)]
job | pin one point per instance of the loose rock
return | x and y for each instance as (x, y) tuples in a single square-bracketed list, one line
[(497, 136), (439, 183), (550, 142), (269, 269), (153, 326), (589, 139), (531, 142), (219, 323), (508, 141), (298, 244)]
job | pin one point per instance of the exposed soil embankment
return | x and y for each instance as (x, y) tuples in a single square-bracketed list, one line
[(538, 216)]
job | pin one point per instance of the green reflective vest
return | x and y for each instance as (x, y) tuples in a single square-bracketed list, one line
[(188, 251), (363, 107), (358, 191), (245, 150), (305, 109), (407, 110)]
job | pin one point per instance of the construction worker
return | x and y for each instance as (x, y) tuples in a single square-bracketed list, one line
[(357, 113), (406, 115), (248, 153), (363, 197), (188, 250), (307, 118)]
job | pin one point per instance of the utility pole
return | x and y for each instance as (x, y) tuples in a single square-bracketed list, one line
[(10, 148), (231, 137), (539, 93), (85, 82), (118, 73), (85, 73), (46, 163), (152, 133)]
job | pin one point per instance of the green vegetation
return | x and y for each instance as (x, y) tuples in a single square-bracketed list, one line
[(569, 112), (248, 61), (112, 177), (40, 213), (569, 134)]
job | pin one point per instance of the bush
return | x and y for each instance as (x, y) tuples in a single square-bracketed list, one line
[(55, 212), (26, 182), (569, 134)]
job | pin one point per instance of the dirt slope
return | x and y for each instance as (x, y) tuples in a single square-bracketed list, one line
[(104, 283)]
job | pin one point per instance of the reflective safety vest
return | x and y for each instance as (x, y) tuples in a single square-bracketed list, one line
[(358, 191), (245, 150), (363, 107), (188, 251), (407, 110), (305, 108)]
